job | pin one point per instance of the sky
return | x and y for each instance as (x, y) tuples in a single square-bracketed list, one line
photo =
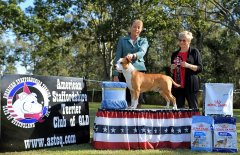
[(26, 4)]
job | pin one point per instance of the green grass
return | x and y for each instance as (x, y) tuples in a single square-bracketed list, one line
[(87, 149)]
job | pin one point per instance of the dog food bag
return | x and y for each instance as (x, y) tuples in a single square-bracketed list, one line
[(225, 134), (201, 133), (218, 99)]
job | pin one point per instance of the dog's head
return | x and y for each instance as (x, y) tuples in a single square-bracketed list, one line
[(123, 64), (27, 104)]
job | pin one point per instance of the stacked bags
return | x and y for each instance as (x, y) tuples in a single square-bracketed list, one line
[(216, 131), (217, 134)]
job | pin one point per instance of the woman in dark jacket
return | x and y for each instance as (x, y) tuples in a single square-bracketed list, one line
[(186, 63)]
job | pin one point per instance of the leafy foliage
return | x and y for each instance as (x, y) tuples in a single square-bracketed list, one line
[(78, 38)]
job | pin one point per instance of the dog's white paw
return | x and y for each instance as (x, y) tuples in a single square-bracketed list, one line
[(166, 107), (130, 107), (175, 107), (134, 104)]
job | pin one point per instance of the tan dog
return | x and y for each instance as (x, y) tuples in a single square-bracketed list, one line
[(140, 82), (221, 143), (195, 143)]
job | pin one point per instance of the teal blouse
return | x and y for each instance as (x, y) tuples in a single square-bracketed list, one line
[(127, 46)]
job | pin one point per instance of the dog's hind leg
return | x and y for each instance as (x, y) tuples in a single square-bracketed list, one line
[(169, 97), (166, 99), (167, 106), (173, 100)]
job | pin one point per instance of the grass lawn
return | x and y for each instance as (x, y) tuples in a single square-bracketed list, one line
[(87, 149)]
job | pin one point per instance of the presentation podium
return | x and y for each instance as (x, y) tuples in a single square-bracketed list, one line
[(142, 129)]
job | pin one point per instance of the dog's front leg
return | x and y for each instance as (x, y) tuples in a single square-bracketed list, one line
[(134, 103), (134, 99)]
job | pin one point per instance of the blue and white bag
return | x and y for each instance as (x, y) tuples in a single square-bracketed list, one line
[(225, 134), (114, 95), (201, 133)]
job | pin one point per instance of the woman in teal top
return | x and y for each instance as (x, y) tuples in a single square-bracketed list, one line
[(135, 48)]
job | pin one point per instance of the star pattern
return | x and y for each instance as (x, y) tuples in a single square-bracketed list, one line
[(143, 130), (113, 130), (179, 130), (105, 129), (98, 128), (166, 130), (135, 130), (149, 131)]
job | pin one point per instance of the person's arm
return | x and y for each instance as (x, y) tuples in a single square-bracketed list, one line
[(119, 50), (199, 62), (190, 66), (172, 67), (197, 66), (142, 49), (193, 67), (118, 55)]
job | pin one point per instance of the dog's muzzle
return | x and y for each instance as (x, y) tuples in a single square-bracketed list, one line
[(118, 67)]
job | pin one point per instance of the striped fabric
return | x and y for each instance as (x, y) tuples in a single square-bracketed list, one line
[(142, 129)]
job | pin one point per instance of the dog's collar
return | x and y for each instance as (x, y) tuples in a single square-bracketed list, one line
[(34, 115), (130, 68)]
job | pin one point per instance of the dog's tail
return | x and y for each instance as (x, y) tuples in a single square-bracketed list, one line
[(175, 84)]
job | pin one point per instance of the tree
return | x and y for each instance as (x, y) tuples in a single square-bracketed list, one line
[(224, 12), (78, 38), (11, 17)]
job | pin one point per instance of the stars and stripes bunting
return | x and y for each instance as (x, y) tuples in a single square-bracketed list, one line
[(142, 129)]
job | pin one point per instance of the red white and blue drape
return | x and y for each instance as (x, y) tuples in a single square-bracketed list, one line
[(142, 129)]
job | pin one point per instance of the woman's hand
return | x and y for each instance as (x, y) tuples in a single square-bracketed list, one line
[(173, 66), (131, 57), (190, 66), (185, 64), (115, 79)]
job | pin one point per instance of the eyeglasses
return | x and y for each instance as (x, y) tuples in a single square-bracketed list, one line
[(183, 40)]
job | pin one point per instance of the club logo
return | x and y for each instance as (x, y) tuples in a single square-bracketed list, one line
[(27, 102)]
